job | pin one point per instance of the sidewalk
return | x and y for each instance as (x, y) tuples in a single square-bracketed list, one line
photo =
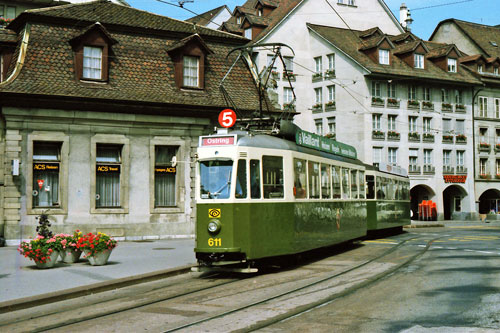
[(20, 278)]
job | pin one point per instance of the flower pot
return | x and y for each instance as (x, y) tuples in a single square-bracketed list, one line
[(98, 259), (70, 255), (50, 262)]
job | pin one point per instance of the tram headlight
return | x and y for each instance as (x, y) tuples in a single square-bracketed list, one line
[(214, 227)]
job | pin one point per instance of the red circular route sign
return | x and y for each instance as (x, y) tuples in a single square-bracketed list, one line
[(227, 118)]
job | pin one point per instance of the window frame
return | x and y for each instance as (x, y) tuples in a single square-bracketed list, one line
[(418, 60), (384, 56), (452, 65), (186, 57), (91, 56)]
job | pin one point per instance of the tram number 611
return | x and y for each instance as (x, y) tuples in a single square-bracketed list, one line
[(214, 242)]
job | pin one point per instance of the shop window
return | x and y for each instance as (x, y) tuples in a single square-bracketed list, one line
[(108, 170), (165, 175), (46, 169)]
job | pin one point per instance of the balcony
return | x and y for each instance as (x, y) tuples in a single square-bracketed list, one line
[(414, 169), (429, 169), (330, 74), (460, 108), (428, 137), (485, 147), (288, 75), (316, 77), (330, 106), (447, 138), (378, 135), (393, 103), (318, 107), (460, 139), (415, 105), (446, 107), (426, 105), (461, 169), (393, 136), (378, 102), (414, 137), (448, 170)]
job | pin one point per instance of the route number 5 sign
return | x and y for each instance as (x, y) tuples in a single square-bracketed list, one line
[(227, 118)]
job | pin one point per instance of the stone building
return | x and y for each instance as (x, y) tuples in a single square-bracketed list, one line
[(101, 107)]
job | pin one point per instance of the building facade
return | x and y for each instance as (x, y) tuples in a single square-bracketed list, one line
[(101, 116)]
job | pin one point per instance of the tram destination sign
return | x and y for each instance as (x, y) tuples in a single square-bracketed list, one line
[(226, 140), (314, 141)]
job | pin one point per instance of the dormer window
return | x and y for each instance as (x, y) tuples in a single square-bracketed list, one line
[(383, 57), (238, 20), (259, 12), (248, 33), (191, 71), (495, 70), (452, 65), (92, 63), (480, 68), (418, 60)]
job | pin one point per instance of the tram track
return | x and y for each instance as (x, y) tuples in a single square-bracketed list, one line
[(111, 303)]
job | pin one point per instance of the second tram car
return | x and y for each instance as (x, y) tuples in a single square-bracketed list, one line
[(261, 196)]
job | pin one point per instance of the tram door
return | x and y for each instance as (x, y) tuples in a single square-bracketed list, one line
[(370, 187)]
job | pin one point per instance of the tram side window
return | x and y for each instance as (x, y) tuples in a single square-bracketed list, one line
[(241, 180), (380, 188), (370, 186), (325, 181), (255, 179), (390, 189), (406, 191), (354, 184), (398, 190), (300, 179), (346, 191), (361, 182), (313, 169), (273, 176), (337, 193)]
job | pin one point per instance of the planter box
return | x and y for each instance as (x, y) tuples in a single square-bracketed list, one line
[(428, 138), (392, 104), (447, 138), (330, 74), (393, 136), (378, 135), (427, 106), (459, 108), (317, 77), (289, 76), (446, 108), (460, 139), (316, 109), (414, 106), (414, 137), (484, 148), (331, 107)]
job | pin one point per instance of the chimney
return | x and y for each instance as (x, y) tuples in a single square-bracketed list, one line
[(403, 15), (409, 21)]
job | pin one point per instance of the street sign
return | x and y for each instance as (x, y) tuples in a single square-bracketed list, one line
[(227, 118)]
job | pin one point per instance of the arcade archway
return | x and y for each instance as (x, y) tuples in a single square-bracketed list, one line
[(489, 202), (452, 200), (419, 193)]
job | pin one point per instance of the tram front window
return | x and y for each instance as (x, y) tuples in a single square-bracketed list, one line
[(215, 179)]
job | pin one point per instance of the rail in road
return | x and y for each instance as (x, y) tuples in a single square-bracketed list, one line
[(223, 302)]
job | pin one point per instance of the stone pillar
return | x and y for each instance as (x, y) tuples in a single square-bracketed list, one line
[(11, 194)]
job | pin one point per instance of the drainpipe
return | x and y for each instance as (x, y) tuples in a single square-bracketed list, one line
[(474, 95)]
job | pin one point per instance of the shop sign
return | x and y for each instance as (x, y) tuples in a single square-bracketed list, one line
[(108, 168), (45, 166), (455, 178), (165, 169)]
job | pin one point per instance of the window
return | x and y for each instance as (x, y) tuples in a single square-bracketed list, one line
[(376, 89), (444, 96), (427, 125), (458, 97), (1, 68), (497, 108), (325, 181), (459, 126), (497, 164), (351, 2), (377, 155), (446, 157), (300, 182), (92, 63), (319, 126), (412, 92), (336, 182), (165, 174), (238, 20), (412, 124), (108, 169), (46, 167), (480, 68), (452, 65), (446, 126), (331, 125), (483, 162), (331, 93), (392, 156), (413, 157), (248, 33), (495, 70), (498, 137), (318, 64), (383, 57), (427, 94), (391, 122), (288, 61), (391, 90), (259, 12), (318, 95), (376, 122), (331, 61), (10, 13), (255, 179), (460, 158), (428, 156), (483, 135), (191, 71), (483, 106), (354, 184), (361, 182), (270, 59), (314, 184), (287, 95), (418, 60), (241, 180), (346, 191), (340, 1), (272, 167)]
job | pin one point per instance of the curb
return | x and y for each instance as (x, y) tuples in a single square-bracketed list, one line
[(424, 225), (32, 301)]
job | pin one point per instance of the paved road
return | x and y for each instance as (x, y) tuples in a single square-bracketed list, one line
[(453, 287)]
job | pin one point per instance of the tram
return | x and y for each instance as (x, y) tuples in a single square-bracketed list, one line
[(261, 196)]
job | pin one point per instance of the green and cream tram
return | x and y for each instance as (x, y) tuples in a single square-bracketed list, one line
[(260, 196)]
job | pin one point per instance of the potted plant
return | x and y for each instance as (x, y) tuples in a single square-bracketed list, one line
[(427, 104), (392, 101), (428, 136), (413, 135), (377, 100), (461, 138), (317, 107), (43, 251), (413, 103), (317, 76), (330, 73), (330, 104), (70, 253), (497, 146), (96, 248), (446, 106), (484, 176), (460, 107), (497, 176), (484, 145), (5, 21), (393, 134), (448, 138), (330, 135)]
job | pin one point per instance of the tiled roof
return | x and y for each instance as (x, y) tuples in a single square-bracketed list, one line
[(349, 43), (140, 70), (474, 58), (7, 36), (407, 47), (206, 18), (257, 20)]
